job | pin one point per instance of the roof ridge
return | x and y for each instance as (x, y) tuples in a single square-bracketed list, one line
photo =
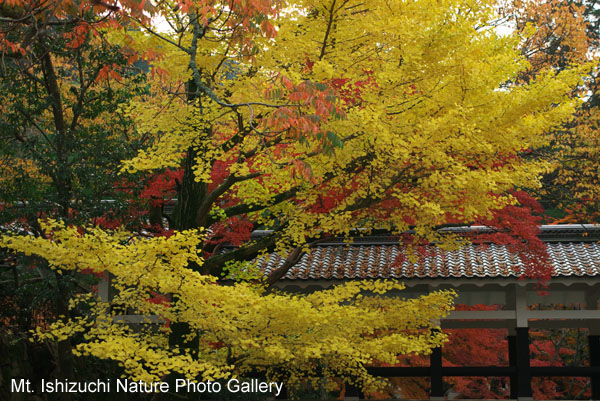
[(548, 233)]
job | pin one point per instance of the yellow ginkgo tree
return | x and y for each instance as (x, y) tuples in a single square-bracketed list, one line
[(308, 119), (241, 329), (311, 119)]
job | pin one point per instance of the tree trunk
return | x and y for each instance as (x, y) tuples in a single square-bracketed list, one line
[(190, 195)]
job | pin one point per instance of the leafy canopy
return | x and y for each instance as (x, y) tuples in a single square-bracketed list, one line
[(308, 119), (397, 115)]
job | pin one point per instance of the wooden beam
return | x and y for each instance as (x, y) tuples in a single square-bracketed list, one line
[(563, 314), (485, 371), (565, 371), (560, 324), (522, 315), (482, 371), (479, 315), (477, 324), (508, 323), (400, 371)]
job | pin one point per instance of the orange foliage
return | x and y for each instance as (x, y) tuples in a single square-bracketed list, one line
[(560, 35)]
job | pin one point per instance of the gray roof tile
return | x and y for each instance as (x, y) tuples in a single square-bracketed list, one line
[(384, 260)]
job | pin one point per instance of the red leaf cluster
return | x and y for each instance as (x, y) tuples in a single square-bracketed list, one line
[(518, 228)]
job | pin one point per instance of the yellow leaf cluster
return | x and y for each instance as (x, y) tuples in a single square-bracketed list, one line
[(240, 327), (425, 104)]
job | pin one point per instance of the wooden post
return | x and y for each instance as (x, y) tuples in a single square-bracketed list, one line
[(435, 373), (594, 343), (104, 287), (591, 297), (353, 393), (523, 385), (523, 367), (512, 362)]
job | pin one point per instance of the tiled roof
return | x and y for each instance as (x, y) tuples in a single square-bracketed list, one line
[(385, 259)]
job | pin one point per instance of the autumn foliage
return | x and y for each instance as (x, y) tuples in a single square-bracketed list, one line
[(143, 137)]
